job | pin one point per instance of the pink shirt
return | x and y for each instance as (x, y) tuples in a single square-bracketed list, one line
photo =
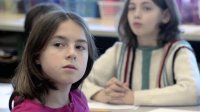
[(78, 104)]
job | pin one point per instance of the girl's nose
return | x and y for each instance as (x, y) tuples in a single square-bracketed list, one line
[(71, 53), (137, 13)]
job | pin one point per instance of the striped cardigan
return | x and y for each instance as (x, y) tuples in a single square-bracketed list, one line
[(156, 75)]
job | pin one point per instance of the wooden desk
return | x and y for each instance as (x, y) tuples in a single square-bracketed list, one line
[(103, 28)]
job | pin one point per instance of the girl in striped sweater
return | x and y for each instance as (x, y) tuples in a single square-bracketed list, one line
[(151, 65)]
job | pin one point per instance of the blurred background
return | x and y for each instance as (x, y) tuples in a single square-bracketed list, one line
[(189, 9), (101, 16)]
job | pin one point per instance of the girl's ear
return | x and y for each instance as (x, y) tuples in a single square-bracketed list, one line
[(166, 16)]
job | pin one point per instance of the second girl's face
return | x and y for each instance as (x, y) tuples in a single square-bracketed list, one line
[(65, 58), (144, 17)]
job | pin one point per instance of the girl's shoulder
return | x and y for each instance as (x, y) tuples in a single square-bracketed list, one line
[(28, 105), (79, 100), (177, 44), (77, 96), (117, 46), (182, 43)]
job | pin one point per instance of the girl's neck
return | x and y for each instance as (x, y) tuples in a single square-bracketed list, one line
[(147, 41), (58, 98)]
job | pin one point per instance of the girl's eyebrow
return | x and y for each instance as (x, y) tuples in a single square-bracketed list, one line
[(144, 3), (82, 41), (131, 3), (59, 37), (66, 39)]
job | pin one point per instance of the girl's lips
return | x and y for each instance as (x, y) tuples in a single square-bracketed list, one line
[(137, 24), (70, 67)]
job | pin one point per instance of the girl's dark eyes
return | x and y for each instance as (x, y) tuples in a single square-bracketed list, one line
[(146, 8), (81, 47), (78, 47), (131, 8), (58, 45)]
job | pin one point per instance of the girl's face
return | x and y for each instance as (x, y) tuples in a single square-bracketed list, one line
[(144, 17), (65, 58)]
